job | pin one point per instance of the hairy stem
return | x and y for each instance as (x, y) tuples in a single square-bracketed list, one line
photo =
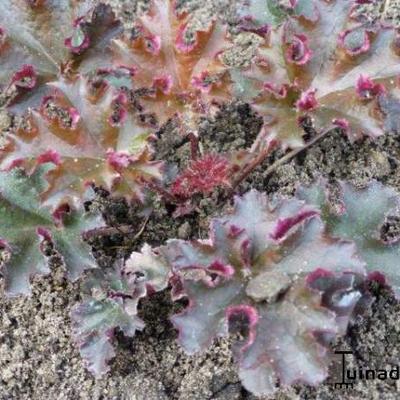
[(164, 193), (253, 165), (272, 168), (108, 231), (194, 145)]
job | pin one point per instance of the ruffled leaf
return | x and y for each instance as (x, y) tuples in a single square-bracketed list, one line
[(94, 323), (205, 319), (111, 302), (53, 39), (282, 346), (26, 224), (150, 265), (95, 142), (309, 67), (244, 276), (345, 294), (177, 65), (363, 213)]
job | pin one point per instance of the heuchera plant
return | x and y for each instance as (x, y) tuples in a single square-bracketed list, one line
[(170, 67), (248, 278), (84, 123), (42, 41), (320, 64), (283, 276), (110, 302), (176, 66)]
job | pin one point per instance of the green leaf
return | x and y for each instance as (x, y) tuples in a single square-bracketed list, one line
[(264, 12), (94, 322), (26, 222), (364, 213), (283, 346)]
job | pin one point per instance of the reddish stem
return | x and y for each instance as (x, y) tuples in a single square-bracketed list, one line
[(194, 145), (287, 157), (108, 230), (162, 192), (254, 164)]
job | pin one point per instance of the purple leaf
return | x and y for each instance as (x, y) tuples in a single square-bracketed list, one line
[(248, 278), (364, 212), (110, 302)]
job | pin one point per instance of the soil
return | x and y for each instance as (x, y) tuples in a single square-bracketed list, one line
[(38, 359)]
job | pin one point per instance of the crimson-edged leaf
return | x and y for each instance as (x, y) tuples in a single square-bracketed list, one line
[(249, 266), (40, 42), (94, 323), (281, 345), (93, 139), (321, 65), (26, 223), (175, 63), (205, 320), (362, 215), (110, 302), (346, 294)]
